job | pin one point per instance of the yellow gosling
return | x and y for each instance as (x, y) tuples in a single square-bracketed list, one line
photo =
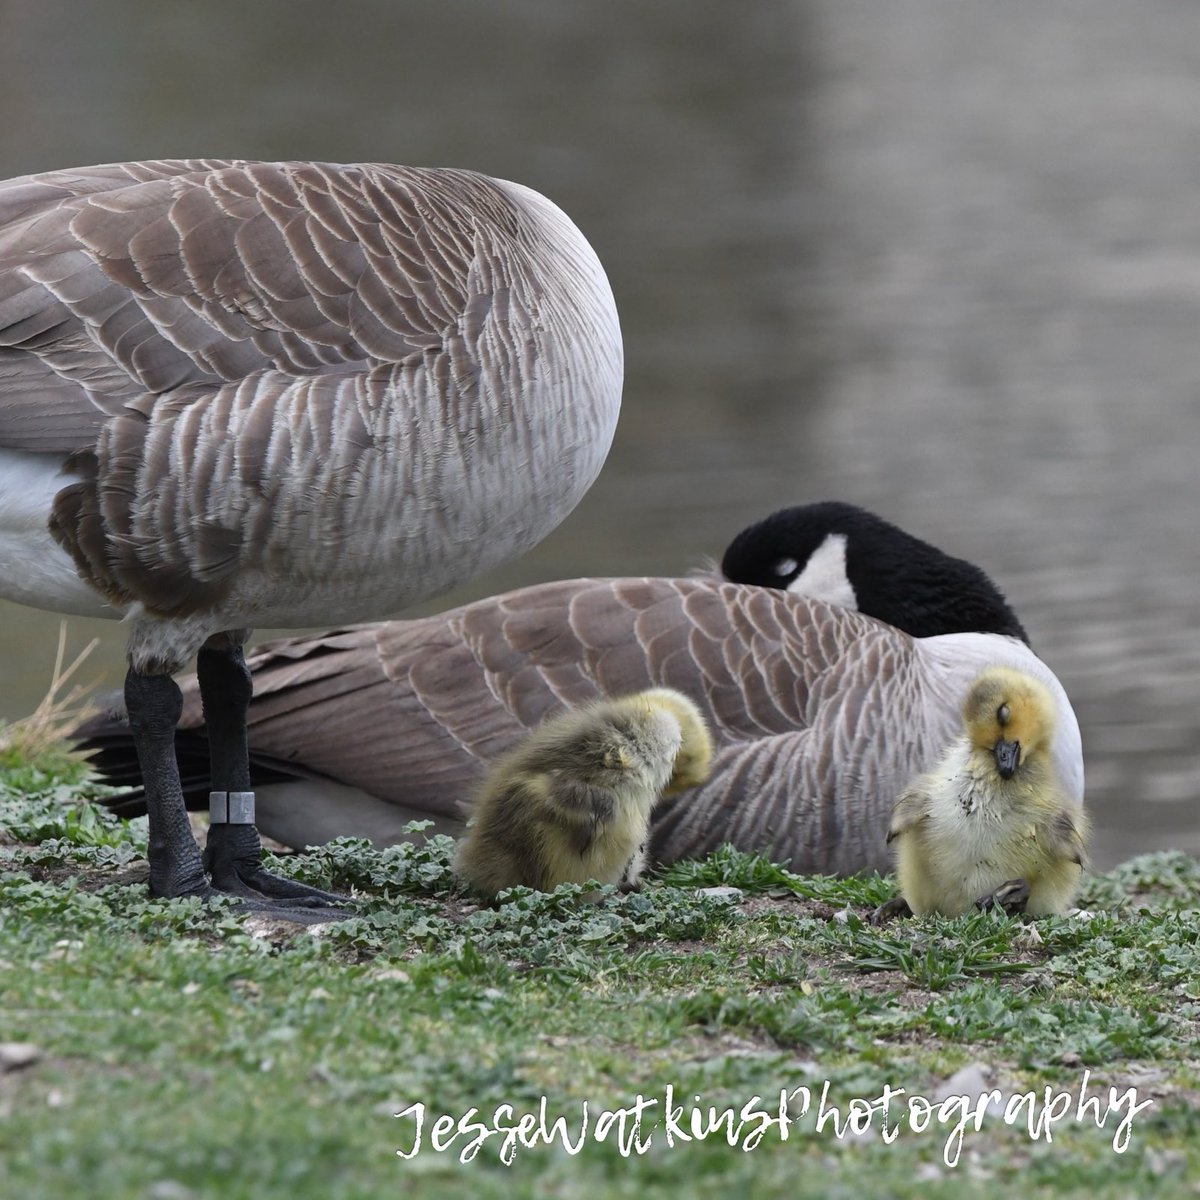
[(572, 802), (992, 812)]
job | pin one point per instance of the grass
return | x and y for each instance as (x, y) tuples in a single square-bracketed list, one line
[(186, 1051)]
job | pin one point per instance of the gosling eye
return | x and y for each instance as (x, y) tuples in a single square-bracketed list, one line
[(1002, 714), (785, 567)]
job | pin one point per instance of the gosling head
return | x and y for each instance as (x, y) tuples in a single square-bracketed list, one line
[(1009, 715), (694, 757)]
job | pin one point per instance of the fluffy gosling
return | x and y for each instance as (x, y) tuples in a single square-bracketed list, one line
[(572, 802), (991, 824)]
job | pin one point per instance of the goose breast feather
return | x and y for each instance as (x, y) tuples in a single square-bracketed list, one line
[(300, 392), (820, 715)]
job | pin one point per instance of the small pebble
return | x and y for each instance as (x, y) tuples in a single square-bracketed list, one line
[(16, 1055), (394, 974), (169, 1189), (972, 1081), (732, 892), (390, 1108), (1166, 1162)]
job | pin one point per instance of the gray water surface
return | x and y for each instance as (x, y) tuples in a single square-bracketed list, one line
[(940, 260)]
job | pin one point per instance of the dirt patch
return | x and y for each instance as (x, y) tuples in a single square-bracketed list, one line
[(792, 905), (90, 879)]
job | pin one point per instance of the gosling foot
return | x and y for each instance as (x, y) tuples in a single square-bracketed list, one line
[(1010, 898), (890, 910)]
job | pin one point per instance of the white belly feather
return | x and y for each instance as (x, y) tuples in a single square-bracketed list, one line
[(34, 568)]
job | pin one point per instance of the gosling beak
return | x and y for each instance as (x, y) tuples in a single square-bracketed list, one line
[(1008, 755)]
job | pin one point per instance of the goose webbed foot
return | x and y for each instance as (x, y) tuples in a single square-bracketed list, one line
[(233, 859), (890, 910), (233, 855), (1010, 897)]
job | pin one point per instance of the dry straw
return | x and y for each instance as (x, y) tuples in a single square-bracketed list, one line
[(59, 711)]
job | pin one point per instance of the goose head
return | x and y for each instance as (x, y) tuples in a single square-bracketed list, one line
[(1009, 715), (845, 555)]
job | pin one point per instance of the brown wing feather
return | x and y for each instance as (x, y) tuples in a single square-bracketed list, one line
[(140, 278), (209, 325)]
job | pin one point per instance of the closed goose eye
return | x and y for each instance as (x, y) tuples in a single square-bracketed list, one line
[(785, 567)]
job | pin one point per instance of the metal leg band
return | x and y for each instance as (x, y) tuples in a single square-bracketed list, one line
[(231, 808)]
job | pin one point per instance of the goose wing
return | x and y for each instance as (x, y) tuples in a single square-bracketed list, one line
[(140, 278), (820, 715)]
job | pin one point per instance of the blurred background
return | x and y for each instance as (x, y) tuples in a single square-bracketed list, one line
[(940, 260)]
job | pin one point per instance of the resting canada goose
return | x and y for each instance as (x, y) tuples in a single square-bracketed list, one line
[(992, 814), (572, 801), (819, 715), (845, 555), (238, 393)]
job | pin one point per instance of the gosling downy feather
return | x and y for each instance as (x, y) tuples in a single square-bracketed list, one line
[(993, 810), (237, 393), (572, 801)]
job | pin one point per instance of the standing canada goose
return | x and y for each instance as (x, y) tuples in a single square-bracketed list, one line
[(572, 801), (820, 715), (238, 393), (992, 818)]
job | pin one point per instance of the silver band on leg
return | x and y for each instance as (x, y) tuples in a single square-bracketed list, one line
[(231, 808)]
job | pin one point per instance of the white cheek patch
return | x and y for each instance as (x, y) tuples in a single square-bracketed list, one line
[(824, 576)]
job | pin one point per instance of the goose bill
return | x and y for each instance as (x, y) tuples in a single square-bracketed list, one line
[(1008, 755)]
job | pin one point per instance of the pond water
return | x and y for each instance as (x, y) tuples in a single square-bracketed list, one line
[(939, 260)]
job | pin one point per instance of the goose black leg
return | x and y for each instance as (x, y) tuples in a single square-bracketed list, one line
[(154, 703), (233, 855)]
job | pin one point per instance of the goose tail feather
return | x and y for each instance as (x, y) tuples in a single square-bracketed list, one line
[(108, 745)]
